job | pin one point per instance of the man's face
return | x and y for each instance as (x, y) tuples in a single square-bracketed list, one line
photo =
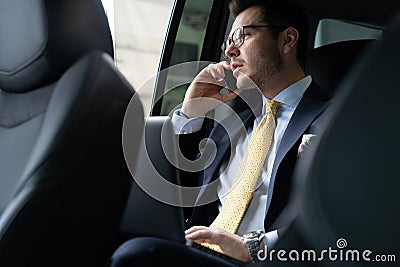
[(258, 58)]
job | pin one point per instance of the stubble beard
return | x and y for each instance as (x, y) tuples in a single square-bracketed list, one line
[(267, 68), (270, 66)]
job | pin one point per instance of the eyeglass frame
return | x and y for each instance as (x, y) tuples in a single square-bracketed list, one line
[(227, 43)]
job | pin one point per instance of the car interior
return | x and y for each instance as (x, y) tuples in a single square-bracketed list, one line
[(64, 181), (75, 142)]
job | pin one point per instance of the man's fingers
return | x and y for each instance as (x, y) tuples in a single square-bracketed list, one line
[(217, 71), (201, 236), (226, 65), (216, 74), (195, 228), (210, 80)]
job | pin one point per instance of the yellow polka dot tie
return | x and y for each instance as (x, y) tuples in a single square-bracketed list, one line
[(247, 175)]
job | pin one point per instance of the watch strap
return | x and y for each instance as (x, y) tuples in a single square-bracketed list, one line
[(253, 241)]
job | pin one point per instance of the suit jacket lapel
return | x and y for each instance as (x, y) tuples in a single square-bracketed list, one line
[(223, 142), (313, 102)]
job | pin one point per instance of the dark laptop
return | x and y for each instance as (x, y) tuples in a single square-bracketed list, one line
[(144, 214)]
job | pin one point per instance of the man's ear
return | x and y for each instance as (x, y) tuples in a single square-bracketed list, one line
[(289, 38)]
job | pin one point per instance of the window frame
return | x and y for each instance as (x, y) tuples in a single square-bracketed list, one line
[(210, 51)]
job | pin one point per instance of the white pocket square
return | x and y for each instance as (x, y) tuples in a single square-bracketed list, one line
[(305, 143)]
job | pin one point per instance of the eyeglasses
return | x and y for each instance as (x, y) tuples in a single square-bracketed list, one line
[(237, 37)]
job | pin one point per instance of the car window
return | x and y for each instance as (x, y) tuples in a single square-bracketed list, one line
[(110, 12), (140, 29), (331, 31), (187, 47)]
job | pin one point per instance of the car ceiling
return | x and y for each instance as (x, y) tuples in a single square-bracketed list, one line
[(377, 13)]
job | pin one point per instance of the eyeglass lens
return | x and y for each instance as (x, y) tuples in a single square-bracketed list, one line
[(236, 38)]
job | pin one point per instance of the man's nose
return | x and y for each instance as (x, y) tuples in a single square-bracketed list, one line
[(232, 51)]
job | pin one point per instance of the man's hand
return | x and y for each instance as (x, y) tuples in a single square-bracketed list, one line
[(204, 94), (231, 244)]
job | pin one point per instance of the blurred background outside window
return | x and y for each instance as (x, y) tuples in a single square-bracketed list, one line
[(139, 28)]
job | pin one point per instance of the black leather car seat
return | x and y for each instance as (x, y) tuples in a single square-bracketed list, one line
[(63, 177), (328, 64)]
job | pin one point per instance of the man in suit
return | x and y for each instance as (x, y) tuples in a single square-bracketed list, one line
[(266, 49)]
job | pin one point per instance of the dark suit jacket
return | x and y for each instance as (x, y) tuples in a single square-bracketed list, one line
[(312, 104)]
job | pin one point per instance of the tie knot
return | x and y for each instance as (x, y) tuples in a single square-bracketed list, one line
[(272, 106)]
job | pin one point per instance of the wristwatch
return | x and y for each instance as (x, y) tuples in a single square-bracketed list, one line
[(254, 243)]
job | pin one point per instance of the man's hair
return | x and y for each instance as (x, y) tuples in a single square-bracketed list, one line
[(279, 12)]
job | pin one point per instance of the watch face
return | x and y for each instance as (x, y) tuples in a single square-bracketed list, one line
[(250, 235)]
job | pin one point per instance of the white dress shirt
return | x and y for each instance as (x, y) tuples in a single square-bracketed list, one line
[(254, 217)]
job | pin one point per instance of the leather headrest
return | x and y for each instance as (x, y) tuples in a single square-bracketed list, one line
[(40, 39), (328, 64)]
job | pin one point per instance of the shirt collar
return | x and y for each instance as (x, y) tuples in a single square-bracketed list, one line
[(292, 94)]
